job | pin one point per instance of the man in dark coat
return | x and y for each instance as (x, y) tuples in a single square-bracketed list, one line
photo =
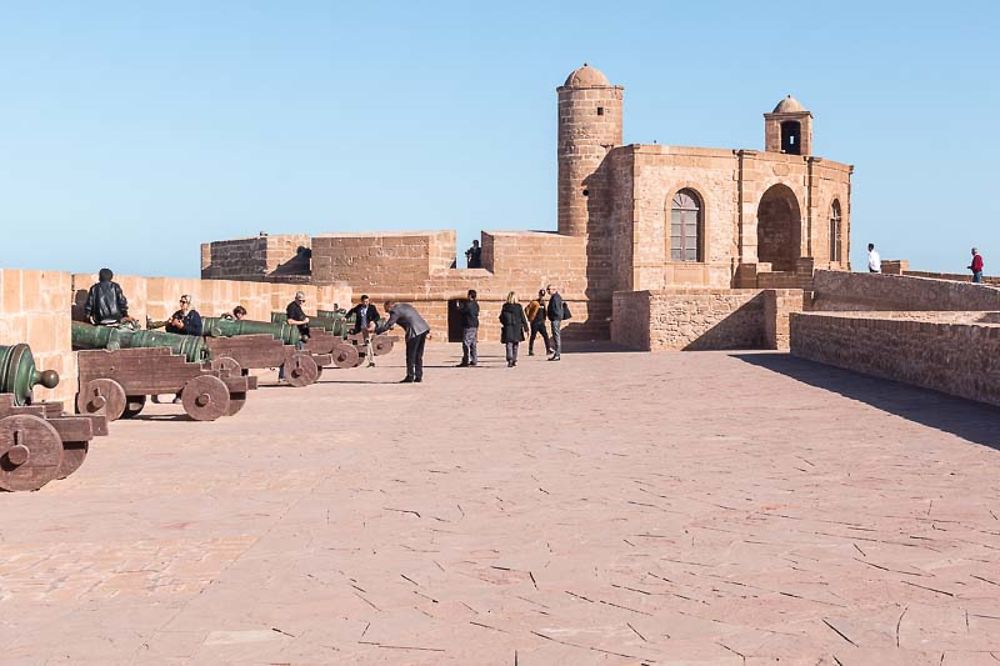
[(296, 316), (106, 303), (365, 319), (417, 332), (469, 312), (554, 312)]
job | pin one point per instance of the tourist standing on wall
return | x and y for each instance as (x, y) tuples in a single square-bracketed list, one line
[(535, 312), (513, 326), (554, 312), (365, 318), (976, 266), (417, 332), (469, 312), (874, 261), (106, 303), (474, 256)]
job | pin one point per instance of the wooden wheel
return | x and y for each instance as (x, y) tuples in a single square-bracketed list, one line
[(301, 370), (382, 345), (227, 367), (133, 406), (346, 356), (236, 402), (205, 398), (102, 396), (30, 452), (74, 453)]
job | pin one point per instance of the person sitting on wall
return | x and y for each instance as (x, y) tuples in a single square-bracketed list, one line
[(366, 317), (186, 320), (417, 332), (239, 312), (976, 266), (474, 256), (106, 303)]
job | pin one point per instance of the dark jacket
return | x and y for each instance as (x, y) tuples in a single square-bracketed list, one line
[(106, 304), (470, 313), (513, 323), (192, 323), (406, 316), (554, 310), (372, 317), (294, 312)]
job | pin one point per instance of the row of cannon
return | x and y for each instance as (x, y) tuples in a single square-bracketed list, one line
[(120, 367)]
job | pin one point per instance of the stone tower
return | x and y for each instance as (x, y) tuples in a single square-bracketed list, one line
[(788, 129), (590, 124)]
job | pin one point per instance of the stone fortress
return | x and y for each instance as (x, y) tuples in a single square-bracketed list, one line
[(631, 219)]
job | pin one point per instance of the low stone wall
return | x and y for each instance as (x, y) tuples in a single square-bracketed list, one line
[(703, 319), (961, 359), (840, 291)]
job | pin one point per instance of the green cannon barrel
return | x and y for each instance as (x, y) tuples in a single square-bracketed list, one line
[(85, 336), (335, 323), (18, 374), (228, 328)]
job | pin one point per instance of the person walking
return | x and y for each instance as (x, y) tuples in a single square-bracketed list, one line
[(535, 313), (513, 326), (365, 319), (874, 260), (976, 266), (469, 311), (554, 313), (417, 332)]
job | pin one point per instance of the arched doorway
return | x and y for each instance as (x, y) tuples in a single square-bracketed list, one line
[(779, 228)]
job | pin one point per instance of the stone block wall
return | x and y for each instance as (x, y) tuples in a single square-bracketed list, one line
[(839, 291), (282, 256), (961, 359), (703, 319), (34, 309)]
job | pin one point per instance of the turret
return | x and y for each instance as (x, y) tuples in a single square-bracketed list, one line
[(788, 129)]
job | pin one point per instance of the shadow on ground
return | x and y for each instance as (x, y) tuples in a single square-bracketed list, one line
[(976, 422)]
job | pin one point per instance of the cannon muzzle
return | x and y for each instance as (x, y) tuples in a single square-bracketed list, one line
[(18, 374), (227, 328)]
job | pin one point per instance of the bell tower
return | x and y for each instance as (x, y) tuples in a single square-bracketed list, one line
[(788, 129)]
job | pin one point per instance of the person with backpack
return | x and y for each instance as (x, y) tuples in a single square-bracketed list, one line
[(535, 312), (556, 311)]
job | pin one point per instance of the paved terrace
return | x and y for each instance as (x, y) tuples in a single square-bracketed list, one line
[(612, 509)]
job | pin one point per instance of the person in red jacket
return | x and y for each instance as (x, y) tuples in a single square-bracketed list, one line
[(976, 266)]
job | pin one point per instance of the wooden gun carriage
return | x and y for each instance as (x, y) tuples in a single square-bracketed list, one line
[(38, 441), (242, 352)]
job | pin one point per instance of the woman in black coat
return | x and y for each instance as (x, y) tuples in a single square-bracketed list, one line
[(513, 326)]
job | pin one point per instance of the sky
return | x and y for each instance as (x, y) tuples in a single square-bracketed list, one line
[(132, 132)]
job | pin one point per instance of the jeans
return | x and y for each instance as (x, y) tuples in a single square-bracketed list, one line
[(977, 276), (415, 356), (470, 354), (538, 328), (512, 352), (556, 338)]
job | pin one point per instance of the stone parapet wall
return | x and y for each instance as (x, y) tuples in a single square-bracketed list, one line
[(703, 319), (956, 358), (840, 291), (282, 256), (381, 261), (34, 309), (992, 280)]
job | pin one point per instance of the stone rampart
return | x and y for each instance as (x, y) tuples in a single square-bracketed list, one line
[(923, 349), (841, 291), (703, 319)]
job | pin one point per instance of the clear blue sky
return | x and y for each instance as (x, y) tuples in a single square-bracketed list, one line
[(130, 132)]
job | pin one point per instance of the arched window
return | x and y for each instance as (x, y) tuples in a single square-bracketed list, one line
[(685, 227), (836, 236)]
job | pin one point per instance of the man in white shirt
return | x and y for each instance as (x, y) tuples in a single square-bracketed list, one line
[(874, 261)]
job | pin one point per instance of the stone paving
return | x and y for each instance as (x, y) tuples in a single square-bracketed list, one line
[(614, 508)]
